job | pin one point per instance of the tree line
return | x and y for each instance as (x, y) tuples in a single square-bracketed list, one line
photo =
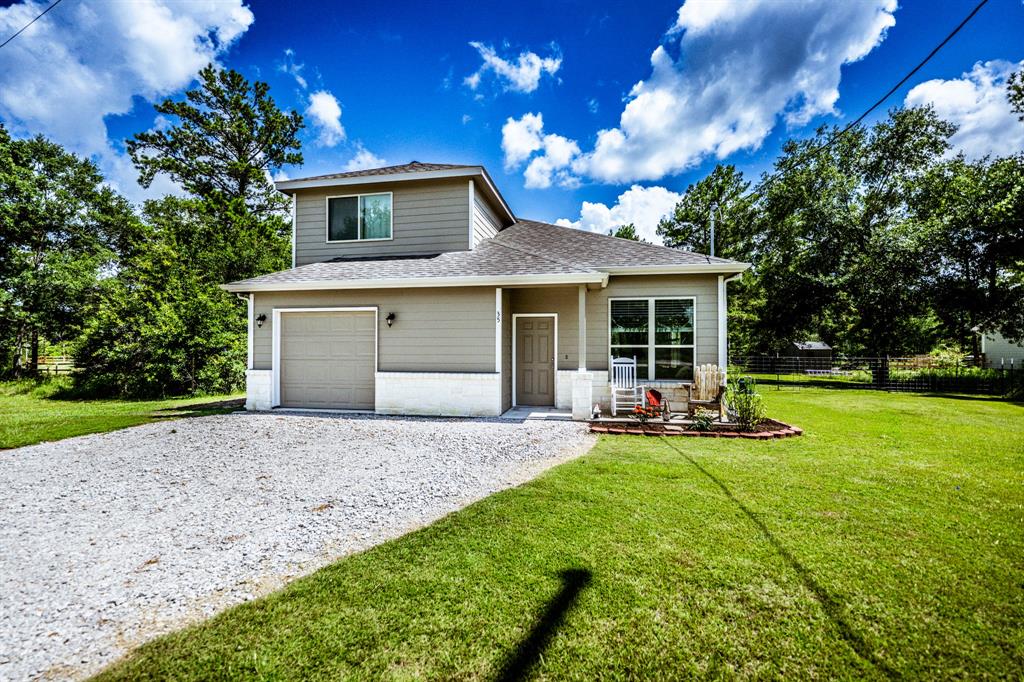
[(877, 241), (134, 290)]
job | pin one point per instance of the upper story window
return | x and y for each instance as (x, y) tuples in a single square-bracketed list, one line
[(359, 217), (658, 332)]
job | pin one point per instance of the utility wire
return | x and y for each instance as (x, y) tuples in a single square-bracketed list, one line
[(814, 152), (38, 17)]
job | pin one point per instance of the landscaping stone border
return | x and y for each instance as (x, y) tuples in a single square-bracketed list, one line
[(779, 430)]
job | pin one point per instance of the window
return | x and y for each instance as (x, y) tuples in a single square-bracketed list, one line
[(366, 216), (658, 332)]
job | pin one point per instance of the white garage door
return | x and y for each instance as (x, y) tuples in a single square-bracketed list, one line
[(327, 360)]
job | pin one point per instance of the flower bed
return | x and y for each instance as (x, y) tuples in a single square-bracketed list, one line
[(766, 430)]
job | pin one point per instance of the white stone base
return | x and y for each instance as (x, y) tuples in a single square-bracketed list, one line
[(258, 389), (582, 396), (563, 388), (439, 394)]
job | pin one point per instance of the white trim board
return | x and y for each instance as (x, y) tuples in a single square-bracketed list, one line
[(554, 360), (275, 347), (404, 282)]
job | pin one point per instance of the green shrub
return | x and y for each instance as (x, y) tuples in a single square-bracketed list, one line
[(703, 419), (747, 404)]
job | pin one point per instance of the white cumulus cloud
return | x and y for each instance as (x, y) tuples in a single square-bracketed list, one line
[(729, 72), (364, 159), (642, 206), (293, 68), (325, 113), (522, 75), (977, 103), (83, 62), (521, 137)]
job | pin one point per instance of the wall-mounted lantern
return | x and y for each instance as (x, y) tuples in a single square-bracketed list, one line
[(260, 319), (390, 319)]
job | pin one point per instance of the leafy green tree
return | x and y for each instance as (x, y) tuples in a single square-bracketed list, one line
[(725, 194), (835, 257), (165, 327), (1015, 93), (627, 231), (162, 328), (228, 136), (973, 214), (61, 230)]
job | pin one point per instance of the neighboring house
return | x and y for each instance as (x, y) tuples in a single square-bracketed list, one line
[(416, 290), (1000, 353)]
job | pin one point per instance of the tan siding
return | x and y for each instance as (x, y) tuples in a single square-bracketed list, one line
[(436, 330), (428, 217), (703, 287), (565, 303), (485, 220)]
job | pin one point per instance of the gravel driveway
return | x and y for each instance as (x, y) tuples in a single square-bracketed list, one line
[(111, 539)]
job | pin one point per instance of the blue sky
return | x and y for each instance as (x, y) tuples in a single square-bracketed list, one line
[(733, 81)]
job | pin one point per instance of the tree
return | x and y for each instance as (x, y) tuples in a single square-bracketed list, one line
[(974, 216), (229, 137), (61, 230), (162, 328), (1015, 93), (834, 255), (627, 231), (726, 194)]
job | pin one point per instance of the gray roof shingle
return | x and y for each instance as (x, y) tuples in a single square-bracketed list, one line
[(411, 167), (526, 248)]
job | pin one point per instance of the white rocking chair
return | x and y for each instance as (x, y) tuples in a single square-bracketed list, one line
[(624, 389)]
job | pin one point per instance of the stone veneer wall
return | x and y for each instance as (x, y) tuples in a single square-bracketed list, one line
[(449, 394)]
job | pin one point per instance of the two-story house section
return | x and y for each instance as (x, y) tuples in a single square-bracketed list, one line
[(415, 289)]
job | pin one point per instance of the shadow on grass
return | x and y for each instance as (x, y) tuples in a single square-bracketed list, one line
[(526, 655), (200, 409), (831, 605)]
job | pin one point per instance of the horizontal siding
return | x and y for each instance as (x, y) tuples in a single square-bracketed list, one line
[(564, 302), (435, 330), (485, 220), (428, 217), (999, 352), (703, 287)]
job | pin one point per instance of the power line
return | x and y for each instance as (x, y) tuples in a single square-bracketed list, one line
[(814, 152), (38, 17)]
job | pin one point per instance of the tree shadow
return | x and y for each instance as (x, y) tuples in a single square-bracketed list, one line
[(830, 604), (200, 409), (525, 656)]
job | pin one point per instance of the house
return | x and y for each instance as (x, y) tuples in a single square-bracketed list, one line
[(416, 290), (998, 353)]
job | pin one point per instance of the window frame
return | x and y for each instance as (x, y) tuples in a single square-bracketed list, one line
[(359, 218), (651, 331)]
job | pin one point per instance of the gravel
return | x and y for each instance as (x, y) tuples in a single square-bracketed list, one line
[(111, 539)]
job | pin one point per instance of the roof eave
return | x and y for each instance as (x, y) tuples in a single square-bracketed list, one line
[(290, 186), (421, 282), (680, 269)]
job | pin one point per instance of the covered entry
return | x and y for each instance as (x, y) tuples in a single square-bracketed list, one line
[(325, 358)]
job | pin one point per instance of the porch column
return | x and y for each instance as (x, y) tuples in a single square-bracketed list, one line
[(723, 347), (582, 381), (582, 320)]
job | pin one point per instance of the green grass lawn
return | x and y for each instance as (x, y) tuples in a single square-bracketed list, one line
[(32, 412), (886, 542)]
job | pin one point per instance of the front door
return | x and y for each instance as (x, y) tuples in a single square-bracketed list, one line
[(535, 360)]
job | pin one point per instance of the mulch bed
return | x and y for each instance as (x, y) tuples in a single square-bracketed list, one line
[(767, 430)]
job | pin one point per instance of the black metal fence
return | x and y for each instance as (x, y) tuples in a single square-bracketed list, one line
[(923, 374)]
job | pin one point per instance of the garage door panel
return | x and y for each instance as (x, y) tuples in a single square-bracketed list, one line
[(328, 360)]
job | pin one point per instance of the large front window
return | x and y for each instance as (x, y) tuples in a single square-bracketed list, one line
[(365, 216), (658, 332)]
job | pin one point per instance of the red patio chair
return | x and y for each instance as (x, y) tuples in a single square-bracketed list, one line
[(657, 401)]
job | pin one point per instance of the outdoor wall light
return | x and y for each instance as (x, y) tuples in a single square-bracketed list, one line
[(390, 319), (260, 319)]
